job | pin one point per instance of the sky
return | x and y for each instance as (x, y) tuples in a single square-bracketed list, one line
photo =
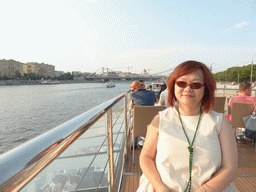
[(156, 35)]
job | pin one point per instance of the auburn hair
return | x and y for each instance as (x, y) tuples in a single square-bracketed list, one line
[(185, 68), (137, 85)]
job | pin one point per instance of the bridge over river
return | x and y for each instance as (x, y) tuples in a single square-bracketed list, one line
[(128, 78), (102, 75)]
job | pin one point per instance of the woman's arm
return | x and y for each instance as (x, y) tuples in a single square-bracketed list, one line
[(227, 173), (148, 155), (131, 104)]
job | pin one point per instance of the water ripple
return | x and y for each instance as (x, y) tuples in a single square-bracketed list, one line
[(28, 111)]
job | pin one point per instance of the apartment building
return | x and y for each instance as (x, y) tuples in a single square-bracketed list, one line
[(10, 68), (59, 73), (41, 69)]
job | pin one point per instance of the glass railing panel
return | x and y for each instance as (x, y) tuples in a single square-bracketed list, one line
[(62, 170), (85, 161), (84, 146), (76, 159), (88, 142), (98, 131), (99, 128)]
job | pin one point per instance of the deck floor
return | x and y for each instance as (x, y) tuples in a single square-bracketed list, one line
[(246, 174)]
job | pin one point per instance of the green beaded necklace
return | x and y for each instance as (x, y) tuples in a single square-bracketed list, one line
[(190, 148)]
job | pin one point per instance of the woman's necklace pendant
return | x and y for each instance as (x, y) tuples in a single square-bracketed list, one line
[(190, 149)]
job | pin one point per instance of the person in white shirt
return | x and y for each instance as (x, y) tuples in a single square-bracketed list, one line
[(189, 147), (70, 185), (55, 186), (164, 96)]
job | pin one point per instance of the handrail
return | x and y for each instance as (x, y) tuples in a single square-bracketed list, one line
[(232, 88), (98, 152), (20, 165)]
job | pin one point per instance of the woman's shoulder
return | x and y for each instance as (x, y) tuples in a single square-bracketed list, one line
[(167, 113), (214, 118), (167, 110), (214, 115)]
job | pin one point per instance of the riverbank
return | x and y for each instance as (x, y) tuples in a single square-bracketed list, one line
[(39, 82)]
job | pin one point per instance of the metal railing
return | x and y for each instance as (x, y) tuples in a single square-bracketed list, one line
[(224, 88), (79, 150)]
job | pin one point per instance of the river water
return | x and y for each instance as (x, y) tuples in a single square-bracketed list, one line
[(30, 110), (27, 111)]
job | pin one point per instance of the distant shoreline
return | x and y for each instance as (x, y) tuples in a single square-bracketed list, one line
[(39, 82)]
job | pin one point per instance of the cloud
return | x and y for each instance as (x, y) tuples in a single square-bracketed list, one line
[(240, 25), (237, 26)]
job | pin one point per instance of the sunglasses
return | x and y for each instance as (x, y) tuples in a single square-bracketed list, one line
[(184, 84)]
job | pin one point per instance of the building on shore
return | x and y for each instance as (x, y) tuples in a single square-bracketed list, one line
[(43, 70), (59, 73), (76, 73), (10, 68)]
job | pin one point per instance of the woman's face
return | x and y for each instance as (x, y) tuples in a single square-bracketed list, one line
[(188, 95)]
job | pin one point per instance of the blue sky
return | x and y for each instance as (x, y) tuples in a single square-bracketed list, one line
[(156, 35)]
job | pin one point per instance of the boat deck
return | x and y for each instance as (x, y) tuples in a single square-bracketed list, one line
[(132, 173), (246, 173)]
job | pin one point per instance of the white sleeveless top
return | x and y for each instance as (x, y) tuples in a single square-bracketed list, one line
[(172, 159)]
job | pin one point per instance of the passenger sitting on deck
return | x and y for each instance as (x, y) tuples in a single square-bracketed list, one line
[(70, 185), (162, 88), (141, 97), (189, 147), (149, 87), (55, 186), (245, 90), (163, 96)]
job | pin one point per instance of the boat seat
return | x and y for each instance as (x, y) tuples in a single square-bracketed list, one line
[(238, 111), (142, 117), (62, 178), (219, 104)]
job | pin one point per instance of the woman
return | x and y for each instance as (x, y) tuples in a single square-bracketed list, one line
[(189, 147)]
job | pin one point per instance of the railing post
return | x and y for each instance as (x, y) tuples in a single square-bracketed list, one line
[(110, 152), (130, 120), (126, 126), (130, 110)]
